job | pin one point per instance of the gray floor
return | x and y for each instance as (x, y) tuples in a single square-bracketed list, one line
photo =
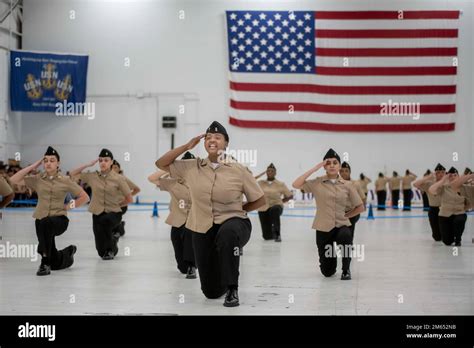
[(403, 272)]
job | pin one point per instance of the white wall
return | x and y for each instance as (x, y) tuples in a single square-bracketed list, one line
[(184, 62), (10, 132)]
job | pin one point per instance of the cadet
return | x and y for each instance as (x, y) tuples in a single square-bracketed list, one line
[(109, 193), (381, 189), (434, 200), (120, 228), (181, 237), (345, 173), (218, 216), (363, 183), (333, 195), (407, 192), (455, 201), (51, 212), (394, 185), (269, 214)]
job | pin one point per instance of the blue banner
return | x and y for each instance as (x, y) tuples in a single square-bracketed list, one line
[(38, 81)]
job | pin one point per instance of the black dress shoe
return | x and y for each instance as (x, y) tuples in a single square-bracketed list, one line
[(108, 256), (122, 229), (191, 274), (43, 270), (458, 243), (346, 275), (72, 250), (231, 298), (278, 239)]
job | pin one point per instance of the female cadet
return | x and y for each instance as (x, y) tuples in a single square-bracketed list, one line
[(394, 185), (270, 213), (345, 173), (381, 189), (181, 237), (108, 192), (119, 230), (434, 200), (407, 192), (332, 195), (50, 213), (218, 216), (454, 203)]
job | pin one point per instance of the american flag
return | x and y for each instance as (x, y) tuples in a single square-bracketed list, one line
[(337, 70)]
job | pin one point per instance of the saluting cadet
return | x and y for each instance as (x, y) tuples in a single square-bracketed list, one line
[(455, 200), (394, 185), (51, 212), (180, 204), (407, 192), (363, 183), (345, 173), (333, 195), (218, 215), (109, 193), (276, 194), (434, 200), (381, 189), (120, 228)]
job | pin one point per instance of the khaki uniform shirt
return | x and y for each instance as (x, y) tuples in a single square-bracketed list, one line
[(406, 181), (360, 192), (273, 190), (108, 191), (363, 184), (131, 185), (52, 191), (381, 184), (216, 194), (394, 183), (331, 201), (5, 188), (453, 203), (180, 200), (434, 200)]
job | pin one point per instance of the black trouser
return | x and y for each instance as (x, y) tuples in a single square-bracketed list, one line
[(434, 223), (217, 255), (407, 194), (182, 240), (381, 198), (353, 221), (46, 231), (426, 201), (270, 221), (327, 255), (395, 198), (103, 226), (452, 228), (120, 228)]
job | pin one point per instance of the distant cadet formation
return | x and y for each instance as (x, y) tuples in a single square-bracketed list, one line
[(208, 213)]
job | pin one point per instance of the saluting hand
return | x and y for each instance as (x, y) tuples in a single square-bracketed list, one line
[(36, 164), (321, 164), (194, 141)]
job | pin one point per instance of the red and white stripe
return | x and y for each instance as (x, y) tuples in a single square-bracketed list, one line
[(408, 60)]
